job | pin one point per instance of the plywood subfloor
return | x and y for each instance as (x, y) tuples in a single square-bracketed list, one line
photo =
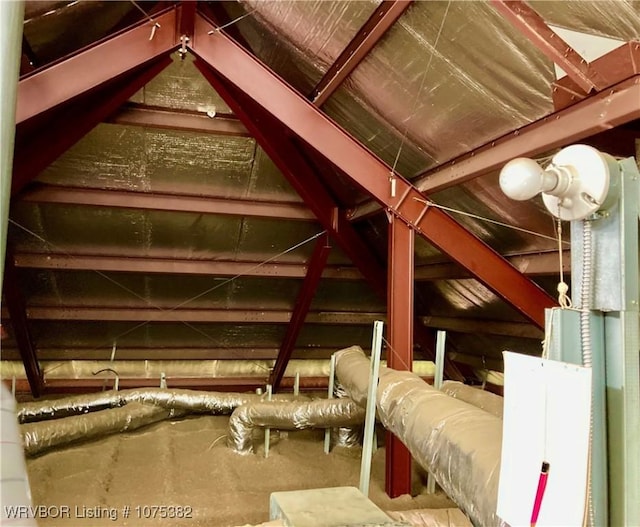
[(180, 463)]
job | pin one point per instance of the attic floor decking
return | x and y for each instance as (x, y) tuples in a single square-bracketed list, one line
[(173, 463)]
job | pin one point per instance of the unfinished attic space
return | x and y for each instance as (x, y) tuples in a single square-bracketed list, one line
[(320, 263)]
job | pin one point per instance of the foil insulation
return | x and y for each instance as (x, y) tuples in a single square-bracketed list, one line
[(42, 436), (487, 401), (188, 400), (346, 436), (320, 413), (456, 442)]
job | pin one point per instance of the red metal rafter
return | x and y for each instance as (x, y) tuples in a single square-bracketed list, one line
[(15, 304), (35, 151), (370, 173), (132, 264), (170, 353), (196, 315), (616, 66), (173, 119), (364, 41), (532, 265), (300, 175), (310, 284), (85, 71), (598, 113), (168, 202), (186, 15), (233, 384), (400, 347), (272, 137), (533, 26)]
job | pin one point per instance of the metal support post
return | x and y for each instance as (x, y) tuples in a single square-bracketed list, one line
[(370, 417), (441, 338), (332, 380), (400, 348), (267, 431)]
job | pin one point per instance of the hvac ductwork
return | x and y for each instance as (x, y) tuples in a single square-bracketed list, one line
[(81, 417), (487, 401), (456, 442), (38, 437), (191, 401), (321, 413)]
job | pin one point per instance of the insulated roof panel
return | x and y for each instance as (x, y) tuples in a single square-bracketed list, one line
[(451, 75), (300, 40), (151, 160)]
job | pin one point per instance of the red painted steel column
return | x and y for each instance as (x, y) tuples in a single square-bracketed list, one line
[(18, 313), (305, 297), (400, 343)]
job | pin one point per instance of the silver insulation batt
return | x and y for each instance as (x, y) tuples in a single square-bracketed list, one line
[(38, 437), (455, 441), (320, 413), (193, 401)]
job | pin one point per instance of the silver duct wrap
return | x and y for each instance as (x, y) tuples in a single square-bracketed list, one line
[(487, 401), (38, 437), (321, 413), (455, 441), (346, 436), (193, 401)]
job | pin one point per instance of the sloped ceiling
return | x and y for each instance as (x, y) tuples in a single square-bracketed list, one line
[(218, 278)]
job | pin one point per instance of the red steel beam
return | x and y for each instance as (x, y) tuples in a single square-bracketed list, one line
[(310, 284), (172, 119), (168, 202), (539, 264), (603, 111), (532, 265), (131, 264), (370, 173), (225, 384), (354, 53), (186, 14), (533, 26), (400, 295), (616, 66), (170, 353), (85, 71), (271, 135), (201, 315), (15, 304), (400, 346), (36, 151)]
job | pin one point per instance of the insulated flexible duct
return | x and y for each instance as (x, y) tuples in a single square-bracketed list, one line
[(456, 442), (38, 437), (487, 401), (193, 401), (321, 413)]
